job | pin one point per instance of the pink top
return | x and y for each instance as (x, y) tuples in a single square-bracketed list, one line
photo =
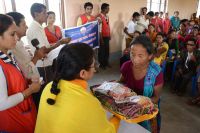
[(136, 85)]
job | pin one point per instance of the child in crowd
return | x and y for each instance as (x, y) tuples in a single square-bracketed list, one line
[(173, 43), (181, 34), (151, 33), (130, 28), (161, 49)]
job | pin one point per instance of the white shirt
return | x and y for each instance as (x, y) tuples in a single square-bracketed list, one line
[(142, 24), (36, 31), (6, 101), (131, 27), (188, 58), (24, 60)]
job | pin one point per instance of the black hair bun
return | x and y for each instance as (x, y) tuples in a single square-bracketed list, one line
[(55, 91), (51, 101)]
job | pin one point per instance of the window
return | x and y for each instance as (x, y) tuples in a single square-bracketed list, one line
[(198, 10), (54, 5), (2, 6), (24, 6), (157, 5), (8, 6)]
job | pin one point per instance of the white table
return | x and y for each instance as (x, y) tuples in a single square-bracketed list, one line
[(129, 127)]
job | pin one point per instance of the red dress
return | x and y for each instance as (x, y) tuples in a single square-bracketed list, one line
[(85, 20), (157, 22), (22, 117), (166, 25), (53, 37)]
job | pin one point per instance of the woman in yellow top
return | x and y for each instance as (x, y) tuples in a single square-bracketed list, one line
[(65, 105), (161, 49)]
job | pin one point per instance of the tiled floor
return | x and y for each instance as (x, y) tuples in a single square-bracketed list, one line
[(177, 116)]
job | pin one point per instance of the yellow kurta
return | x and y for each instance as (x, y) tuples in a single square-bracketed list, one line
[(75, 111), (162, 57)]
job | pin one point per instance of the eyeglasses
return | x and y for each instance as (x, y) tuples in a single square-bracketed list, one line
[(191, 44)]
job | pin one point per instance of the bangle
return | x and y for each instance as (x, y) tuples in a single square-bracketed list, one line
[(24, 95)]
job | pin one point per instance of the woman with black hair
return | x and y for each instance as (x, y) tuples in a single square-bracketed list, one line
[(53, 32), (173, 43), (17, 110), (65, 105), (161, 48), (151, 33), (141, 74), (181, 34)]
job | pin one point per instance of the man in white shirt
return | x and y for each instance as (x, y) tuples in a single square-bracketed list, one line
[(130, 28), (143, 22), (36, 31)]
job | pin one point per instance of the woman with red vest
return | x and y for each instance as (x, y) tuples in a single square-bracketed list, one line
[(17, 110), (157, 22), (103, 54), (86, 17), (166, 24), (52, 31)]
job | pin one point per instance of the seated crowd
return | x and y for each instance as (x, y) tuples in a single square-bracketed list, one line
[(176, 47)]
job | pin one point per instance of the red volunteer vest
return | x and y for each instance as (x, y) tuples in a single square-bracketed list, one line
[(22, 117), (51, 37), (105, 26), (85, 19)]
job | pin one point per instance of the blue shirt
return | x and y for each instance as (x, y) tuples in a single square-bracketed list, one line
[(175, 22)]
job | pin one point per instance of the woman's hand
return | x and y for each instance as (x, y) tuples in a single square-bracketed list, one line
[(40, 53), (65, 40), (156, 93), (33, 88)]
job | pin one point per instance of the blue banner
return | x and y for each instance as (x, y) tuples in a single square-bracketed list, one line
[(87, 33)]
